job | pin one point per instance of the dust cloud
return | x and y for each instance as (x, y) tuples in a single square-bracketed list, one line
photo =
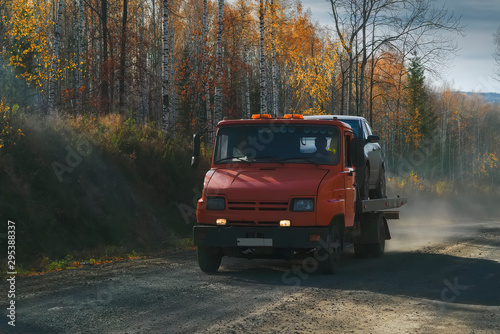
[(429, 219)]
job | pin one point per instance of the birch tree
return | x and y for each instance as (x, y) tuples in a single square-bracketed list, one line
[(104, 62), (165, 69), (263, 91), (79, 68), (204, 66), (218, 88), (55, 57), (123, 54), (274, 66)]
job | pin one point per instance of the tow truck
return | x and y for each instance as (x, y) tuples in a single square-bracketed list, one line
[(286, 187)]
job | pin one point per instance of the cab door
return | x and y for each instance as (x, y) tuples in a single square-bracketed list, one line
[(349, 180)]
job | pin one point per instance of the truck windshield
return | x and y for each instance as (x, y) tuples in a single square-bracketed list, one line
[(277, 143)]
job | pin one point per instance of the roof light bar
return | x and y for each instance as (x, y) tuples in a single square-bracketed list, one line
[(259, 116), (293, 116)]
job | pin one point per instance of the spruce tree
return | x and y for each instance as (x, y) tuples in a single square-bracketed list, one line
[(422, 121)]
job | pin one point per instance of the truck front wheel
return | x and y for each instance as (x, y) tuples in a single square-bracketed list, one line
[(209, 259), (332, 258)]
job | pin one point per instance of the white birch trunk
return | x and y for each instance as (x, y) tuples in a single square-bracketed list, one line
[(218, 89), (204, 66), (247, 83), (165, 70), (144, 78), (55, 55), (274, 66), (263, 92), (79, 69), (173, 111)]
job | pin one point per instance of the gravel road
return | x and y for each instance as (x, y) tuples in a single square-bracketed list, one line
[(436, 277)]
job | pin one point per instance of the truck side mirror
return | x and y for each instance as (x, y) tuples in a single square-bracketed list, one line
[(373, 139), (358, 152), (195, 159)]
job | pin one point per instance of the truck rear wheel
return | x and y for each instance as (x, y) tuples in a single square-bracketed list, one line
[(332, 261), (377, 249), (361, 251), (209, 259), (373, 240)]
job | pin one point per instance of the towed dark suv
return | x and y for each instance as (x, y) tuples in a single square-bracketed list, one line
[(371, 178)]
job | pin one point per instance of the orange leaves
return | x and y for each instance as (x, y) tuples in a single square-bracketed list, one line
[(310, 57), (8, 134), (415, 136), (488, 162), (314, 73), (30, 33)]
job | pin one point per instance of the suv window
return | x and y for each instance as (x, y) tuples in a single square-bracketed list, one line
[(354, 123), (368, 130)]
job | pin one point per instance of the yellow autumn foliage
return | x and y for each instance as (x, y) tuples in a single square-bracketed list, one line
[(8, 133), (30, 32)]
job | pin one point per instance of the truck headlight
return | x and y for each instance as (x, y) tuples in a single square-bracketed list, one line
[(302, 204), (216, 203)]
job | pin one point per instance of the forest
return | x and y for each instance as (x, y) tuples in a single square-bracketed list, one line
[(137, 78)]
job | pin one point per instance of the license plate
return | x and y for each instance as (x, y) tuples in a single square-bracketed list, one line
[(254, 242)]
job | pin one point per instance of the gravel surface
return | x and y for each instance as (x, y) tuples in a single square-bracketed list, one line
[(436, 277)]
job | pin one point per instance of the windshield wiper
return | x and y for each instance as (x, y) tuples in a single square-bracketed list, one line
[(231, 158), (270, 158), (309, 160)]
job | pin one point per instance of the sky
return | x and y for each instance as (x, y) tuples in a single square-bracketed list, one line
[(472, 69)]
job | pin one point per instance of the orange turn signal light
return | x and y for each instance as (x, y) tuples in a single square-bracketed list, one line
[(293, 116), (314, 237), (258, 116)]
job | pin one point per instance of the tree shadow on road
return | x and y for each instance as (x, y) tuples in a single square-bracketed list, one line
[(436, 277)]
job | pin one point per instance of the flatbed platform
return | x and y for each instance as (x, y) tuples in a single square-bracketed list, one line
[(373, 205)]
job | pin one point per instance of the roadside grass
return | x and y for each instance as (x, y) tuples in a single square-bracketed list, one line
[(91, 257), (46, 265), (108, 185)]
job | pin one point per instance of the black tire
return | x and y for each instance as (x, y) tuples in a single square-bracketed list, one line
[(332, 262), (377, 249), (209, 259), (361, 251), (380, 191)]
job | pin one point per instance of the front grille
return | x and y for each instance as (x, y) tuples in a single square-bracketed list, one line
[(257, 206), (239, 222), (249, 222)]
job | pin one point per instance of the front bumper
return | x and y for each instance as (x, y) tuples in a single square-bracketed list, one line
[(253, 236)]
